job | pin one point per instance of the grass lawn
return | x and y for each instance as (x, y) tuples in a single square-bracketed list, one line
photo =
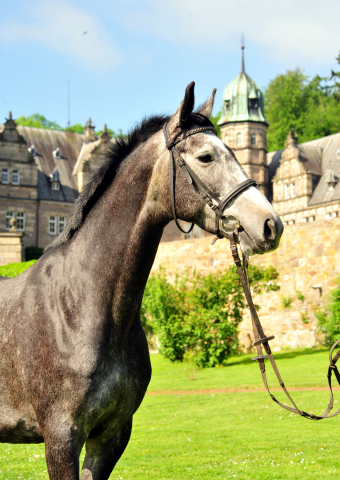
[(242, 435)]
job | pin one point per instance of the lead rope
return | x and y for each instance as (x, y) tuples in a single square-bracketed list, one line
[(262, 340)]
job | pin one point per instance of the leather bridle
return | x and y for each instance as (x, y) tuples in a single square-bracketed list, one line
[(216, 204), (229, 226)]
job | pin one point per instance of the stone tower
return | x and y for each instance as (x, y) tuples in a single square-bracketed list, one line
[(244, 126)]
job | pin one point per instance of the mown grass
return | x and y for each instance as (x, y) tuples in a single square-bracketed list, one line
[(241, 435), (14, 269)]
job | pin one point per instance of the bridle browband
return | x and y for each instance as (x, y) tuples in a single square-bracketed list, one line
[(229, 225), (213, 201)]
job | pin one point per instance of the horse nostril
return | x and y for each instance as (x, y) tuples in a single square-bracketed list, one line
[(269, 229)]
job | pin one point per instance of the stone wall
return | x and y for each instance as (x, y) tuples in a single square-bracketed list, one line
[(309, 255)]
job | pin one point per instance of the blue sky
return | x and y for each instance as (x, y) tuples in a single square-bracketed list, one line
[(137, 57)]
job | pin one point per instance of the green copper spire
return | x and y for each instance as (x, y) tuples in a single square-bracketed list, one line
[(242, 100)]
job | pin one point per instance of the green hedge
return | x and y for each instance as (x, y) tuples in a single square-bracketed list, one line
[(14, 269), (197, 317)]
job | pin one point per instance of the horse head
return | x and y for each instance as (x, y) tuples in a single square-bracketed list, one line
[(208, 161)]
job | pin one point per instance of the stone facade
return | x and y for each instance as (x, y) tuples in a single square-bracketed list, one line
[(248, 140), (308, 256), (11, 250)]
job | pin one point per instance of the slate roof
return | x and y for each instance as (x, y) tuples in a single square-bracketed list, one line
[(45, 142)]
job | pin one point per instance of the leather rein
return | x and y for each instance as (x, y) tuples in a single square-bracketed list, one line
[(229, 226)]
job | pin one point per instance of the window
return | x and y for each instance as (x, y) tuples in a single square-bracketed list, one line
[(55, 179), (9, 215), (286, 190), (329, 215), (312, 218), (239, 139), (52, 225), (285, 223), (5, 175), (292, 190), (291, 222), (305, 219), (15, 177), (56, 225), (62, 223), (253, 139), (21, 221), (226, 139), (335, 214)]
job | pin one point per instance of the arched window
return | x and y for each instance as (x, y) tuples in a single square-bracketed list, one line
[(239, 139), (253, 139)]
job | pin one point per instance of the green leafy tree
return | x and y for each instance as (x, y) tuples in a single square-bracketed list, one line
[(76, 128), (38, 121), (197, 317), (335, 76), (308, 105), (214, 120)]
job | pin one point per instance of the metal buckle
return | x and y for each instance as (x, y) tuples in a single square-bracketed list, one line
[(228, 224)]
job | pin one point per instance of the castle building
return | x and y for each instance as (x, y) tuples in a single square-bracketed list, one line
[(43, 171), (41, 174)]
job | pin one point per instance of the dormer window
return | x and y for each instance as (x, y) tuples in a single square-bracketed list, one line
[(331, 179), (32, 151), (239, 139), (253, 103), (226, 103), (55, 180), (56, 154)]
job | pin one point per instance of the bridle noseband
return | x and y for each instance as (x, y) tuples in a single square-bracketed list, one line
[(216, 204), (228, 225)]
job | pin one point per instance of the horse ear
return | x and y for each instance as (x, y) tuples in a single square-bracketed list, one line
[(206, 109), (184, 110)]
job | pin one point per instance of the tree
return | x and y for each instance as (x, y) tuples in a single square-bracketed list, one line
[(214, 120), (310, 106), (38, 121)]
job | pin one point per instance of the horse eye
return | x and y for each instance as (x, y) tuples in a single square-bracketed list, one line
[(205, 158)]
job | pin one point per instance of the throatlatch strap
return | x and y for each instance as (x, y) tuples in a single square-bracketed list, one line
[(262, 340)]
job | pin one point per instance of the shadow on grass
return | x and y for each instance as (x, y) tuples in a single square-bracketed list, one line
[(247, 359)]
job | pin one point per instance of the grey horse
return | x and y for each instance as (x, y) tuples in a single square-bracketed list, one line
[(74, 363)]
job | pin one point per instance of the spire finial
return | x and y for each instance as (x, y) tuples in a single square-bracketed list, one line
[(242, 47)]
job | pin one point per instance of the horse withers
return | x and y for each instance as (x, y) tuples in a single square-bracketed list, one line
[(74, 364)]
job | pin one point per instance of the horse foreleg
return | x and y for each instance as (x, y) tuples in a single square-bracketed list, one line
[(62, 452), (103, 452)]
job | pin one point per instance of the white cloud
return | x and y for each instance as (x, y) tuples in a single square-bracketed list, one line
[(305, 31), (60, 26)]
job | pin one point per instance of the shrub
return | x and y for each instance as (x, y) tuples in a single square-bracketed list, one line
[(329, 317), (33, 253), (197, 317)]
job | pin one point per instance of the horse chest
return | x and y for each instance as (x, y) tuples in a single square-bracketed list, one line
[(118, 390)]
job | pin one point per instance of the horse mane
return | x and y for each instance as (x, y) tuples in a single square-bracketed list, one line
[(103, 177)]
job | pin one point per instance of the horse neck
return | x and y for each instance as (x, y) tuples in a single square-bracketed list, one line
[(121, 234)]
